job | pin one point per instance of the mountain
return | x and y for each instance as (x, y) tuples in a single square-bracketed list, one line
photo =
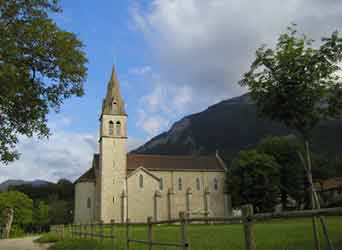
[(36, 183), (230, 126)]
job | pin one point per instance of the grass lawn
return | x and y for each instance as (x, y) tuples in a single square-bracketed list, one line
[(277, 235)]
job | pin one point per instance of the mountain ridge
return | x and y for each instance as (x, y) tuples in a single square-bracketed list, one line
[(229, 126), (16, 182)]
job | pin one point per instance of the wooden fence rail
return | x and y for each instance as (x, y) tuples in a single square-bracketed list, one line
[(248, 219), (182, 244)]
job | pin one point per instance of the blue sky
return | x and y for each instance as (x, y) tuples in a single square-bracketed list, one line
[(110, 38), (173, 58)]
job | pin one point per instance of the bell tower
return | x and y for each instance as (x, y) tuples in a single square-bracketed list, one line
[(113, 137)]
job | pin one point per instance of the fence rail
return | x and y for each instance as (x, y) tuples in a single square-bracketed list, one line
[(248, 219)]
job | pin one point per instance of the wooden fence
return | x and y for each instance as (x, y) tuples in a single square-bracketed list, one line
[(94, 231), (248, 219), (58, 230), (182, 244)]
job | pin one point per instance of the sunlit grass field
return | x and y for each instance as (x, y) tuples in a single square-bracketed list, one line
[(278, 235)]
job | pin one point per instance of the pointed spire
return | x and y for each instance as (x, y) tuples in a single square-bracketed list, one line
[(113, 103)]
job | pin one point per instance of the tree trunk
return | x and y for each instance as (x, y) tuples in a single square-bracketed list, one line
[(284, 200), (315, 201), (8, 216)]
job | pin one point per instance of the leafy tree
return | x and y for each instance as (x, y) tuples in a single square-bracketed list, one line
[(297, 84), (254, 179), (285, 152), (60, 212), (41, 214), (21, 204), (41, 65)]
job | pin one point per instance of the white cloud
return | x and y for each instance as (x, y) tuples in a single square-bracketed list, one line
[(63, 155), (151, 123), (141, 70), (208, 45)]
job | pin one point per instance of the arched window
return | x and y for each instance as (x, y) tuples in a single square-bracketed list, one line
[(180, 184), (111, 128), (198, 184), (88, 203), (141, 181), (161, 184), (118, 128), (215, 184)]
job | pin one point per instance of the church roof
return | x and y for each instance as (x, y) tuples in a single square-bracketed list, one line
[(88, 176), (159, 163), (113, 103), (173, 163)]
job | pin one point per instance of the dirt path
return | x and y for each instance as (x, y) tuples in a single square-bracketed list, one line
[(21, 244)]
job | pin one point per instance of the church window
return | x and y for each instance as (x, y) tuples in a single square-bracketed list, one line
[(111, 128), (118, 128), (161, 184), (141, 181), (215, 184), (180, 184), (88, 203), (198, 184)]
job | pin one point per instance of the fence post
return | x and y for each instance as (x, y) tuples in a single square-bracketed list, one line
[(101, 232), (247, 213), (149, 232), (183, 236), (112, 223), (128, 234)]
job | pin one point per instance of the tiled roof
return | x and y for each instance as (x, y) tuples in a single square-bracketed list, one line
[(333, 183), (175, 163)]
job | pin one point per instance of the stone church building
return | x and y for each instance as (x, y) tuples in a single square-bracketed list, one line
[(120, 185)]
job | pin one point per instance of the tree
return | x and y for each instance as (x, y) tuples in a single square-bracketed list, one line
[(41, 215), (298, 85), (60, 212), (285, 152), (20, 203), (253, 178), (41, 65)]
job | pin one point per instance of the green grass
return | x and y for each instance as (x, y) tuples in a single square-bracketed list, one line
[(47, 238), (278, 235)]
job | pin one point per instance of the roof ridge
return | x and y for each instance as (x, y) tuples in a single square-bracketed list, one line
[(172, 156)]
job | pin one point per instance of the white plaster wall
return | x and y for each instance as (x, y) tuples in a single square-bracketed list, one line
[(141, 200), (83, 191)]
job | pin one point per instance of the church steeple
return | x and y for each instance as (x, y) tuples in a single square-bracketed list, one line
[(113, 103)]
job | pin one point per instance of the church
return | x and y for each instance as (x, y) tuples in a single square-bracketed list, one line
[(121, 185)]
